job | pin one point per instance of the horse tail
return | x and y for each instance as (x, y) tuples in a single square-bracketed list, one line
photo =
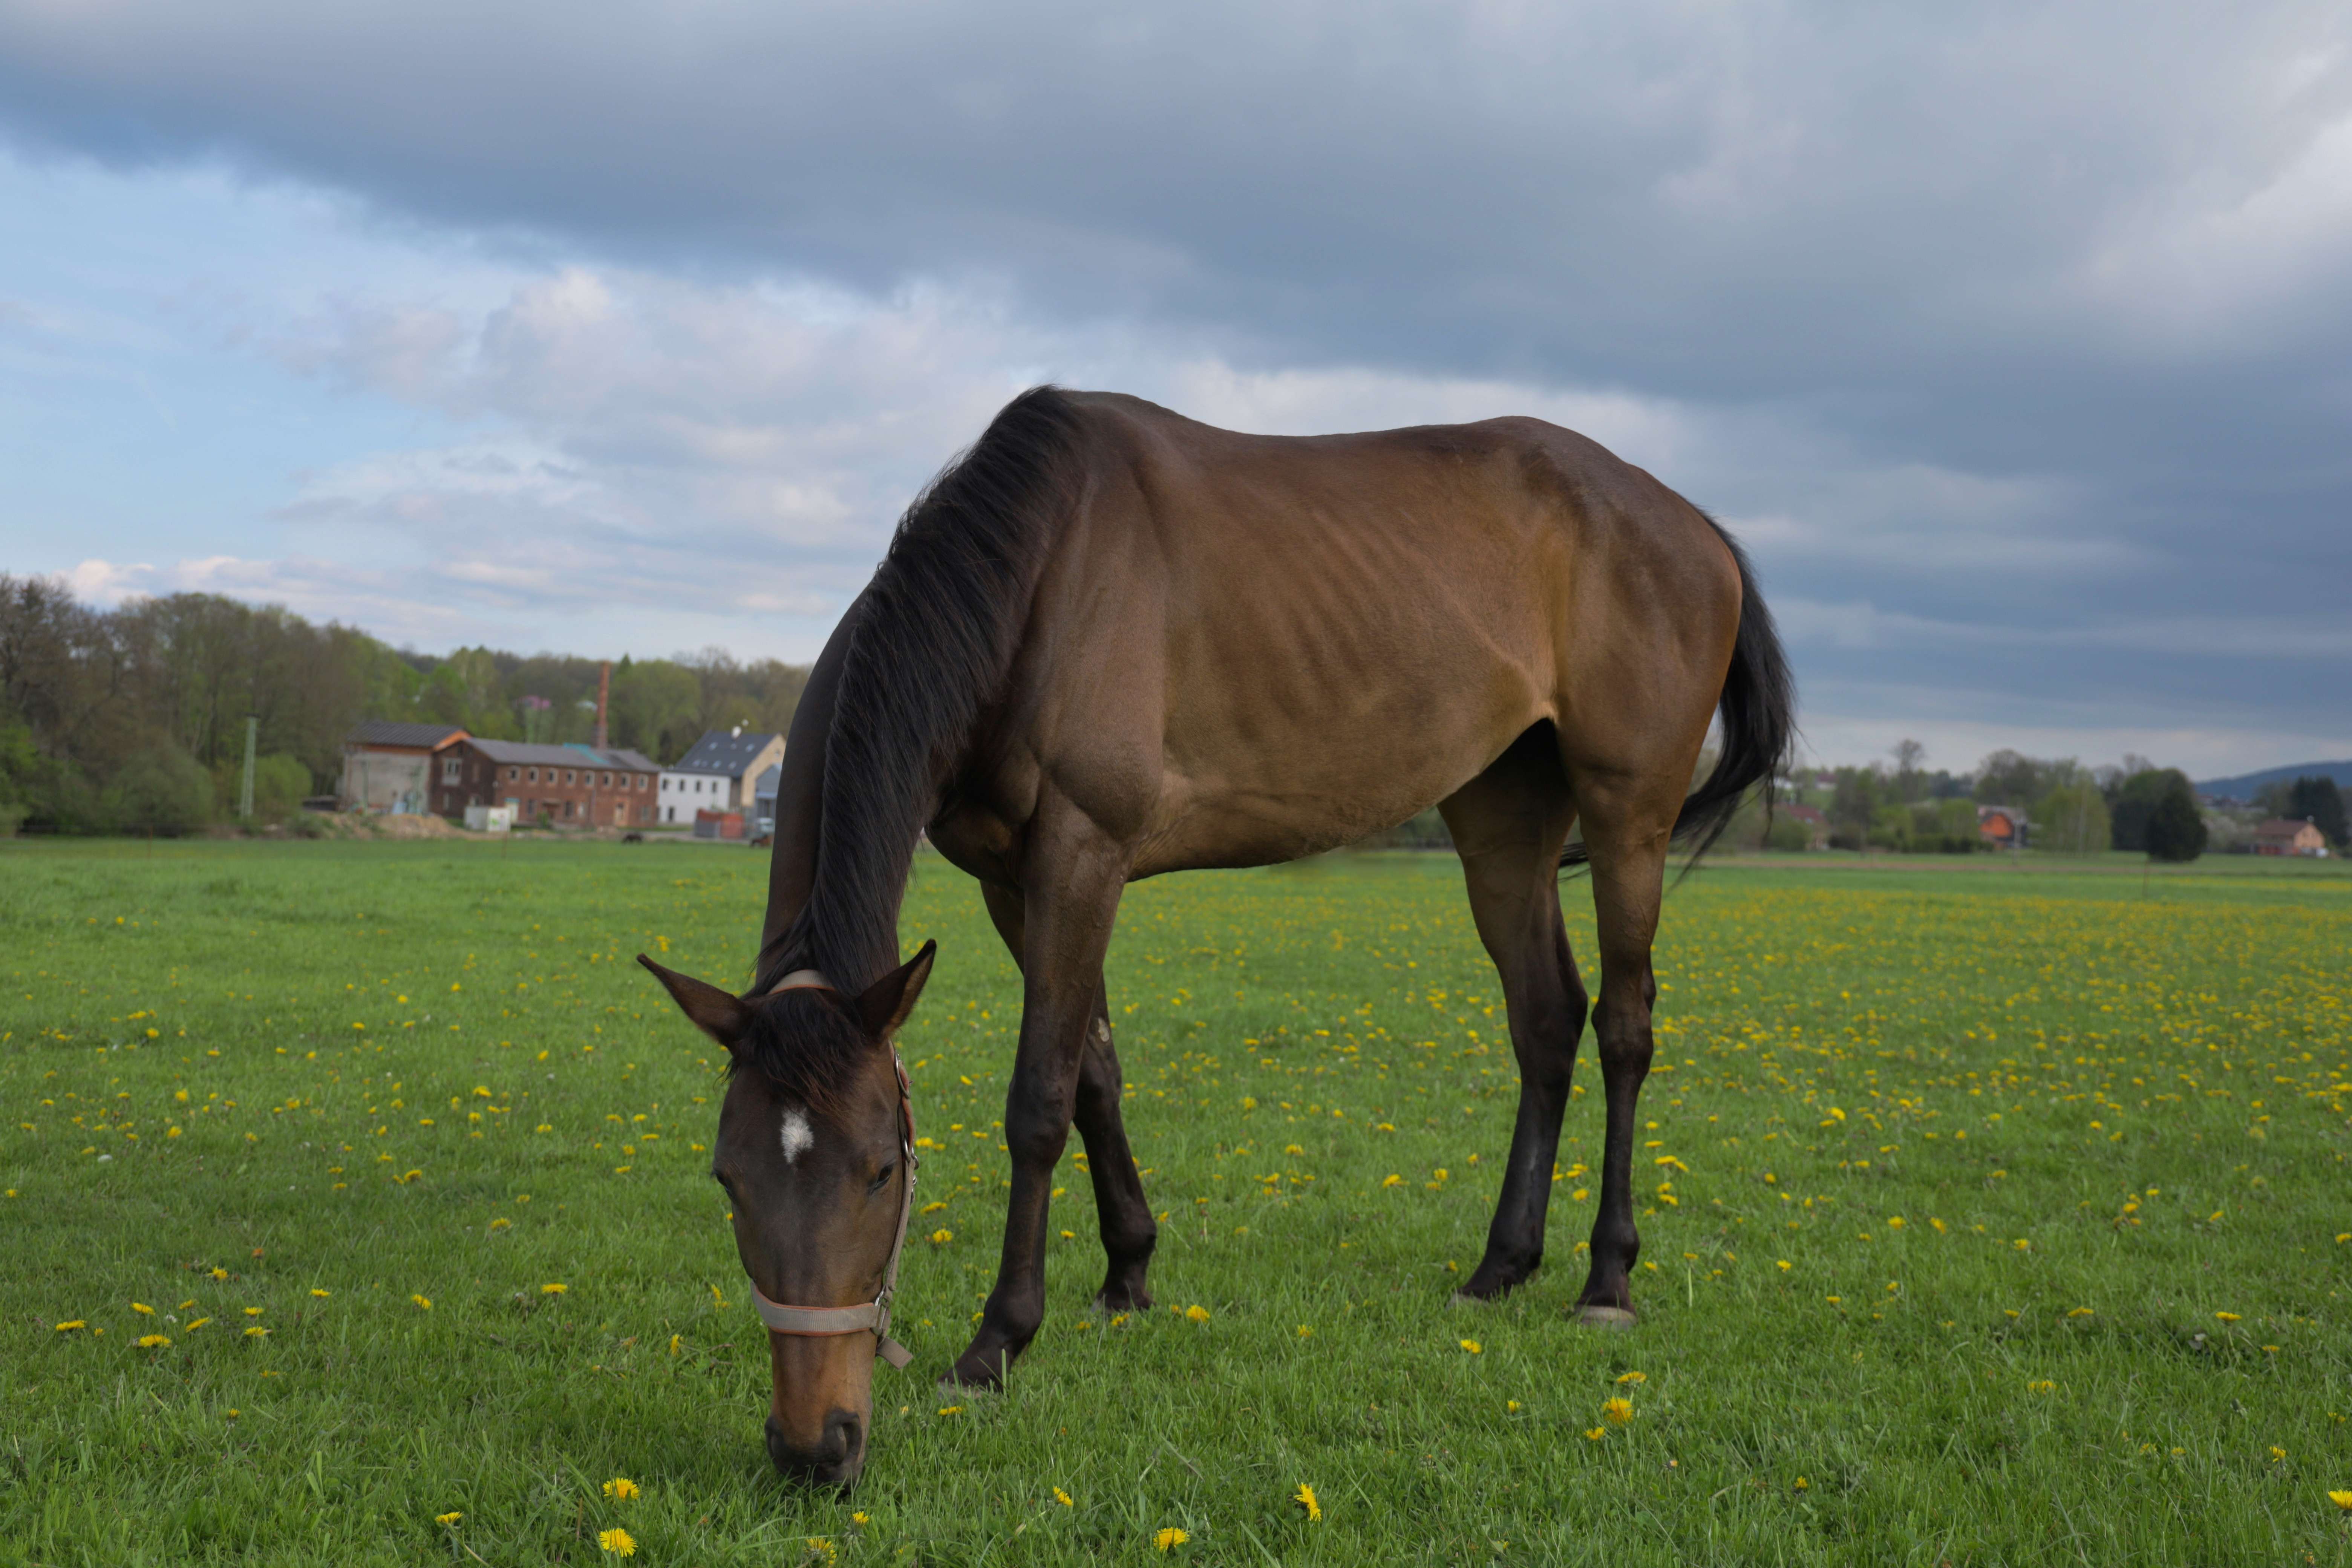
[(1757, 706)]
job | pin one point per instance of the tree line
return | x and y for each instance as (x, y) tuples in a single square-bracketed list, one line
[(133, 719)]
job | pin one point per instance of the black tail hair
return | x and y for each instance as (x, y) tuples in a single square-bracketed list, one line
[(1758, 706)]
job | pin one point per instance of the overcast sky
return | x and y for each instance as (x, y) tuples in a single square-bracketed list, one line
[(2017, 341)]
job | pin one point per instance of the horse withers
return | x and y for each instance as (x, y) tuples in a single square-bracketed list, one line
[(1109, 642)]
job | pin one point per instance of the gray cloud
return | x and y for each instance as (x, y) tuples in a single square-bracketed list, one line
[(2012, 337)]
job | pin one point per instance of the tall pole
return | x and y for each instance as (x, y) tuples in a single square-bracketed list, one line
[(244, 795), (604, 700)]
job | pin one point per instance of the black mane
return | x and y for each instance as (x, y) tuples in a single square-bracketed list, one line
[(935, 636)]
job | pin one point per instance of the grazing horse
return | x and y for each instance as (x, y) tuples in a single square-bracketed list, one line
[(1109, 642)]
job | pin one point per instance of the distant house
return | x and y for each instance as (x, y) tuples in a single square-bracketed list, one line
[(2280, 836), (2003, 826), (388, 766), (1816, 824), (717, 773), (571, 786)]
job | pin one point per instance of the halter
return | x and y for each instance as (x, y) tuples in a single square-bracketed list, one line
[(873, 1316)]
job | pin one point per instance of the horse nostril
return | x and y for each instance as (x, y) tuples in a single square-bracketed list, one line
[(835, 1461), (842, 1437)]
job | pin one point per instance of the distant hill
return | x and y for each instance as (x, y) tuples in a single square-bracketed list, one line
[(2244, 785)]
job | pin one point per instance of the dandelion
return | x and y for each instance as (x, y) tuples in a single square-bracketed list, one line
[(1391, 1180), (2227, 1317), (1802, 1484), (1305, 1498), (1617, 1412), (553, 1289), (2081, 1312), (1634, 1377), (1784, 1263), (323, 1295), (1511, 1406), (941, 1237), (152, 1342), (951, 1409), (2044, 1387), (256, 1332), (677, 1344), (1305, 1332), (424, 1303), (620, 1489), (71, 1324), (1172, 1538), (442, 1519), (1596, 1433), (1474, 1347), (192, 1327), (619, 1542), (2342, 1501), (1064, 1497), (2278, 1455), (142, 1309), (253, 1311)]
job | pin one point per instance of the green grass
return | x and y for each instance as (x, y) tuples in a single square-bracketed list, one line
[(2075, 1097)]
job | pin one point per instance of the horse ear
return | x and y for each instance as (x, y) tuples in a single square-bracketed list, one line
[(886, 1002), (716, 1013)]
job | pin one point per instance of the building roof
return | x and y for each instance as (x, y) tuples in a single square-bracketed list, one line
[(1811, 814), (392, 733), (2283, 827), (505, 751), (727, 752), (770, 780)]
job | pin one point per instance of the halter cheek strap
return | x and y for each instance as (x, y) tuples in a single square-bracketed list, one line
[(870, 1317)]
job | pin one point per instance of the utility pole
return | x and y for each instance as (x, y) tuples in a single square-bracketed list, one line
[(244, 795)]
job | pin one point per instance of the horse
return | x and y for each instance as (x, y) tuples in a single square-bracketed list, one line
[(1107, 642)]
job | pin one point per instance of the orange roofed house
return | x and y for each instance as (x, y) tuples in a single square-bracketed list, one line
[(2280, 835)]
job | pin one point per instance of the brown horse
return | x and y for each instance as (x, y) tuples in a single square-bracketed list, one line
[(1110, 642)]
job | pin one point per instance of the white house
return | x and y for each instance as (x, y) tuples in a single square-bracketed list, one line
[(717, 773)]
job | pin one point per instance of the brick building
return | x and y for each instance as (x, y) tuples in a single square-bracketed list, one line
[(388, 764), (571, 786)]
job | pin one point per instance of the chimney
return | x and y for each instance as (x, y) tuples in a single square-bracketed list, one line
[(604, 702)]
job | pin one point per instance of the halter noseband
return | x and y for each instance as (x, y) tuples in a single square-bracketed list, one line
[(873, 1316)]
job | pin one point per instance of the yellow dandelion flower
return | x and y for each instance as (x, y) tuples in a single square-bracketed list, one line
[(2081, 1312), (1474, 1347), (1596, 1433), (555, 1289), (1063, 1498), (1170, 1538), (2044, 1387), (1802, 1484), (1785, 1265), (1617, 1412), (152, 1342), (142, 1309), (192, 1327), (452, 1517), (1305, 1333), (941, 1237), (2342, 1501), (1511, 1406), (857, 1518), (1392, 1179), (2227, 1317), (1196, 1313), (1305, 1498), (71, 1324), (621, 1488), (951, 1409), (677, 1344), (424, 1303), (619, 1542), (1634, 1377), (323, 1295), (253, 1311)]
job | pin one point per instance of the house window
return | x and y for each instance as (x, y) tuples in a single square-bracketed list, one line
[(534, 775), (571, 775), (452, 770), (605, 780)]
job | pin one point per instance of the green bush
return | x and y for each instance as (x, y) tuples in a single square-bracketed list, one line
[(161, 790)]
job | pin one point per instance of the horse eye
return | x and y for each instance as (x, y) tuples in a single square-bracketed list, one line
[(881, 1177)]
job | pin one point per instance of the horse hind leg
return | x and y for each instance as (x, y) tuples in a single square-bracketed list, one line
[(1508, 824), (1628, 824)]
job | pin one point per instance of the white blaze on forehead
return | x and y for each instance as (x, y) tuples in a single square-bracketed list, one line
[(794, 1134)]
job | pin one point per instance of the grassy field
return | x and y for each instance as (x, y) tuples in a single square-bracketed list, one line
[(1991, 1216)]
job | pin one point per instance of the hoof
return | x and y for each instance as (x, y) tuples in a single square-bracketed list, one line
[(1594, 1316)]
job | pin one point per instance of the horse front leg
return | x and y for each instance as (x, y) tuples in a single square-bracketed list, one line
[(1122, 1211), (1065, 932)]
